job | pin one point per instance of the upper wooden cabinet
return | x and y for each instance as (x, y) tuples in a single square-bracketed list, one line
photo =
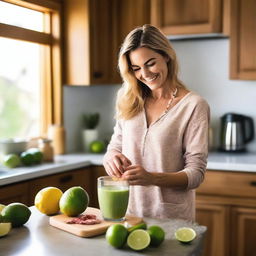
[(243, 40), (88, 45), (175, 17), (127, 15), (94, 31)]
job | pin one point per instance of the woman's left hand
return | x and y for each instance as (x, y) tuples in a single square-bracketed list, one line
[(137, 175)]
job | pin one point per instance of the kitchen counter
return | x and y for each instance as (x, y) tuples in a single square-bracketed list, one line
[(243, 162), (37, 237)]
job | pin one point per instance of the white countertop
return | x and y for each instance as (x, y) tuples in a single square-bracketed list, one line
[(61, 163), (245, 162)]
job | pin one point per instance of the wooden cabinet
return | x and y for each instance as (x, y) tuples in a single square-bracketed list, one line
[(94, 31), (24, 192), (244, 226), (243, 40), (127, 15), (88, 42), (14, 193), (226, 204), (63, 181), (189, 16), (215, 217)]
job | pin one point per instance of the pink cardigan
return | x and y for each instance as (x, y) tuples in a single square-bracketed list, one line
[(176, 142)]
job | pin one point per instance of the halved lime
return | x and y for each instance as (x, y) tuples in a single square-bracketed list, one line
[(138, 240), (5, 228), (185, 235), (142, 225)]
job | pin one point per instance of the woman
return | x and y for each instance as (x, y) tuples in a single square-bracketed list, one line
[(160, 141)]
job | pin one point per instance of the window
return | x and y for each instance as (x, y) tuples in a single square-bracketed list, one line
[(30, 80)]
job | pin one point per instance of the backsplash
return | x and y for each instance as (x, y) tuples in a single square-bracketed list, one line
[(204, 68)]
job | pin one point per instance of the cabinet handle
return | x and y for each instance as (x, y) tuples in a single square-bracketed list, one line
[(97, 74), (253, 183), (66, 178)]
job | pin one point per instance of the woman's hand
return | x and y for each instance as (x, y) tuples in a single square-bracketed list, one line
[(137, 175), (116, 165)]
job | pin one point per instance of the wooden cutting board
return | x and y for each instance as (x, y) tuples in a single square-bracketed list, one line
[(59, 221)]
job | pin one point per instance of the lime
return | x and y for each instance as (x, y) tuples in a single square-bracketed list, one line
[(47, 200), (116, 235), (37, 155), (5, 228), (142, 225), (74, 201), (27, 158), (157, 235), (11, 160), (138, 240), (185, 235), (97, 146), (16, 213)]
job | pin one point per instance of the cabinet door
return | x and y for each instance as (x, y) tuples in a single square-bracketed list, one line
[(14, 193), (243, 40), (127, 15), (215, 218), (63, 181), (187, 16), (88, 42), (243, 231)]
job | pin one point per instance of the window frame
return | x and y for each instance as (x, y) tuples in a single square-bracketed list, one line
[(51, 78)]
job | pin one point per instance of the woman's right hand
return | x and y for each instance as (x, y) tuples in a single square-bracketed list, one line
[(115, 166)]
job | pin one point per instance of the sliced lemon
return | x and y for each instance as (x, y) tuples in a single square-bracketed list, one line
[(5, 228)]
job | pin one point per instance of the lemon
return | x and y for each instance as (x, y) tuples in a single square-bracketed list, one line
[(47, 200), (157, 235), (116, 235), (74, 201), (138, 240), (185, 235), (5, 228), (11, 160), (97, 146), (16, 213)]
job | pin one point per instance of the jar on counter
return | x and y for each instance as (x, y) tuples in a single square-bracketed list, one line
[(45, 145)]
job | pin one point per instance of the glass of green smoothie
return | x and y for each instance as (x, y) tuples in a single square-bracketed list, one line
[(113, 196)]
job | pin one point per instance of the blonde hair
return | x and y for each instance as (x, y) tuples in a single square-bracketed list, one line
[(131, 96)]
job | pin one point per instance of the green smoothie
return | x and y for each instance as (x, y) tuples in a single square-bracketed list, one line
[(113, 202)]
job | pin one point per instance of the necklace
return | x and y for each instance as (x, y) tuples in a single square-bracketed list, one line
[(174, 94)]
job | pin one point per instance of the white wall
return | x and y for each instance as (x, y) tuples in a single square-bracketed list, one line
[(204, 66)]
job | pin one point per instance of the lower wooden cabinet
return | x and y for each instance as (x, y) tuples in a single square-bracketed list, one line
[(24, 192), (226, 204), (215, 217), (244, 231), (63, 181), (15, 193)]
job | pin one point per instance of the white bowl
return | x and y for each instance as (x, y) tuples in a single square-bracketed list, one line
[(12, 146)]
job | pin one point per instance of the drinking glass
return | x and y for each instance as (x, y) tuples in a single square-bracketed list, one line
[(113, 196)]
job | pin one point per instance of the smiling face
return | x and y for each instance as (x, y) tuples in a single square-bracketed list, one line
[(149, 67)]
